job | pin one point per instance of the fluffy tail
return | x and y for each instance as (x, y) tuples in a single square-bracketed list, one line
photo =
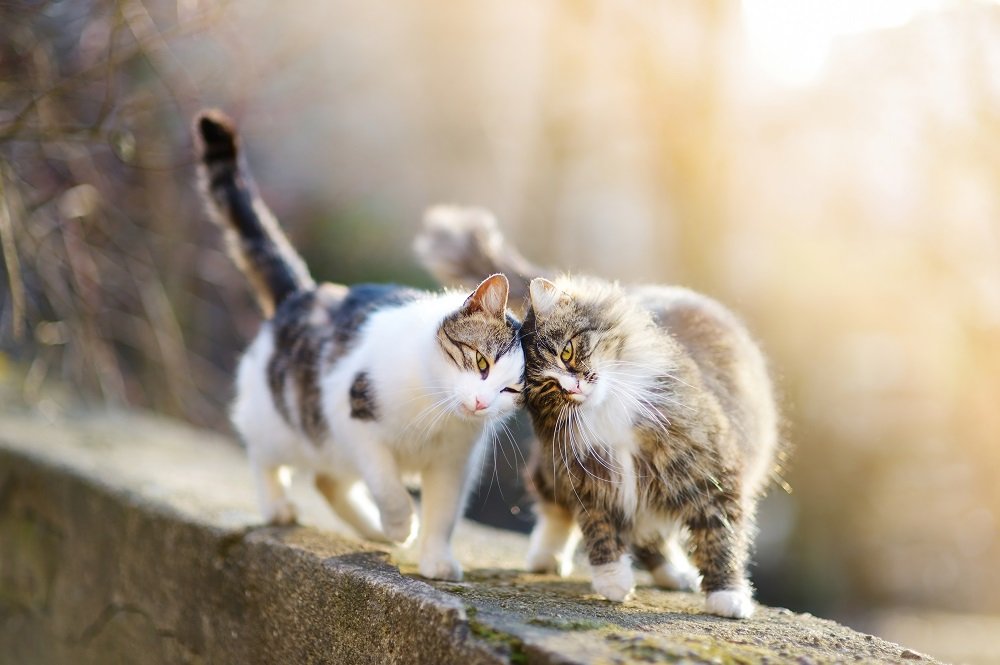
[(255, 240), (463, 246)]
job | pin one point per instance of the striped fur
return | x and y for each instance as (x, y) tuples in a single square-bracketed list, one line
[(255, 241), (459, 246), (660, 425), (361, 384)]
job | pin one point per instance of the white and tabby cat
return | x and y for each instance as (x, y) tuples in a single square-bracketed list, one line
[(654, 417), (367, 382)]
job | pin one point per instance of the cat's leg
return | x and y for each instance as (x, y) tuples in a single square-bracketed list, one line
[(272, 493), (611, 567), (380, 473), (553, 540), (361, 516), (664, 557), (719, 533), (443, 488)]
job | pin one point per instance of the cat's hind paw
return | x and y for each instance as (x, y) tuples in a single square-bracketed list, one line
[(731, 603), (547, 562), (400, 528), (614, 580), (281, 513), (677, 576)]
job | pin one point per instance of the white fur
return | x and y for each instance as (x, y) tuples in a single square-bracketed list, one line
[(731, 603), (553, 541), (427, 424), (677, 576), (544, 295), (676, 572), (615, 581), (601, 427)]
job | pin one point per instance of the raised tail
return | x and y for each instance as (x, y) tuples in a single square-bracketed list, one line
[(463, 246), (255, 240)]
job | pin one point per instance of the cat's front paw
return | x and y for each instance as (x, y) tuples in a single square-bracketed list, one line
[(731, 603), (440, 565), (614, 580), (678, 576), (281, 512)]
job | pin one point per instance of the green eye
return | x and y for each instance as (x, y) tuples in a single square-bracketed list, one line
[(482, 364), (567, 352)]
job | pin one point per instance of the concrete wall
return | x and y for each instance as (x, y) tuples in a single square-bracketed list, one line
[(126, 539)]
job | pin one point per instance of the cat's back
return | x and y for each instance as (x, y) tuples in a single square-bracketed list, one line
[(334, 314), (730, 361), (280, 376)]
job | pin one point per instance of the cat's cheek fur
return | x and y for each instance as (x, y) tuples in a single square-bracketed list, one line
[(469, 387)]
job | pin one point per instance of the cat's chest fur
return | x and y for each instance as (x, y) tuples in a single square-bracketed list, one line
[(608, 432)]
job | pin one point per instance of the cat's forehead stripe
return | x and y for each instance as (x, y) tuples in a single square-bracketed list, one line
[(481, 333)]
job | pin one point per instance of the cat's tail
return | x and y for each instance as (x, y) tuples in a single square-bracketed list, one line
[(254, 239), (462, 246)]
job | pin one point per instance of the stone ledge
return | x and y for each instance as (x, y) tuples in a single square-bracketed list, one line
[(128, 538)]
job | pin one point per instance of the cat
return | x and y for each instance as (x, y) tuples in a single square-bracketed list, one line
[(655, 422), (362, 383)]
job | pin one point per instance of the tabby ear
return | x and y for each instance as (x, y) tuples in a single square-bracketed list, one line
[(544, 296), (489, 297)]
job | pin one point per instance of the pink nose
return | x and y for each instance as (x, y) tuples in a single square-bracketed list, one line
[(480, 404), (575, 390)]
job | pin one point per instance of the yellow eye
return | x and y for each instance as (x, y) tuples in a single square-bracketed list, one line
[(482, 364), (567, 352)]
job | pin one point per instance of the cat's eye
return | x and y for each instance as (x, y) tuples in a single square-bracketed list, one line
[(483, 365), (567, 352)]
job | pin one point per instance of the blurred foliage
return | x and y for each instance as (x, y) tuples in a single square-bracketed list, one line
[(107, 263), (851, 217)]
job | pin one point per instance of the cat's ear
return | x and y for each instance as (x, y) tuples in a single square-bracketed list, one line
[(489, 297), (544, 296)]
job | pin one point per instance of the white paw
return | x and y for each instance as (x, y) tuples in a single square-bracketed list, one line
[(677, 576), (732, 603), (614, 580), (399, 526), (280, 513), (440, 565), (542, 560), (373, 533)]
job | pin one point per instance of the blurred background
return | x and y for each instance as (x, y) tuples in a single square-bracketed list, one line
[(830, 169)]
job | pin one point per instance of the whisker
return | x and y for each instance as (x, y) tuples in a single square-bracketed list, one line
[(564, 414)]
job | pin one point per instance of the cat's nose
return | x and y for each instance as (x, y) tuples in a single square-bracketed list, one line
[(480, 404), (570, 385)]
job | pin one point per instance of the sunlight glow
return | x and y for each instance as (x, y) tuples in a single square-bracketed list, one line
[(790, 40)]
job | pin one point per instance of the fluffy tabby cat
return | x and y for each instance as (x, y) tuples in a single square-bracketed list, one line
[(360, 383), (654, 415)]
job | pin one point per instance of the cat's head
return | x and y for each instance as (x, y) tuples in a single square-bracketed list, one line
[(484, 362), (576, 342)]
